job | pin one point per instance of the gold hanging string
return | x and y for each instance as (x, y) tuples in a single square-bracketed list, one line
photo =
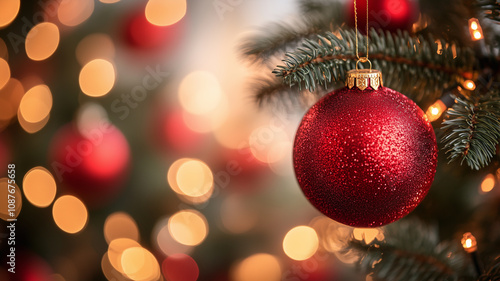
[(365, 58)]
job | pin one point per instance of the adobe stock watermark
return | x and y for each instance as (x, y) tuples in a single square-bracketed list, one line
[(223, 6), (47, 9), (128, 101)]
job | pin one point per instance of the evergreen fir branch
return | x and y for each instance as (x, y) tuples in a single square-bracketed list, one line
[(423, 69), (472, 130), (278, 38), (411, 251), (493, 273), (490, 8), (271, 91)]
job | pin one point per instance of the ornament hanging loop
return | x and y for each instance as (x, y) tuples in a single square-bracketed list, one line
[(363, 60)]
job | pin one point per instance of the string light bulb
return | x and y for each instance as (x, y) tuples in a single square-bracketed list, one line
[(475, 30), (436, 110), (469, 242), (470, 246), (469, 85)]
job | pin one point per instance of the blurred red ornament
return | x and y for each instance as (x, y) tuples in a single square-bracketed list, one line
[(140, 34), (180, 267), (30, 267), (92, 166), (240, 171), (385, 14), (365, 158), (312, 269), (172, 134)]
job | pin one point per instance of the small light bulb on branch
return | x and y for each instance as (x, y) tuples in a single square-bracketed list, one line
[(475, 30), (469, 85), (470, 246), (469, 242), (436, 110)]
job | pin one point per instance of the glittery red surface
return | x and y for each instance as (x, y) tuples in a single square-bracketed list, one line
[(365, 158)]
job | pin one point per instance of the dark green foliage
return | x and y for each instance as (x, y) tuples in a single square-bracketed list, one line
[(423, 67), (490, 8), (472, 130), (493, 273), (412, 251)]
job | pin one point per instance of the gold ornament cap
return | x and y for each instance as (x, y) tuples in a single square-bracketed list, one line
[(364, 78)]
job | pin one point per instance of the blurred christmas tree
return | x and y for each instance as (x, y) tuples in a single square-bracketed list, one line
[(444, 56), (137, 154)]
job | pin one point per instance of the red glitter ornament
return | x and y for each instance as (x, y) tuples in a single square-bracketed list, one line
[(367, 157), (92, 166)]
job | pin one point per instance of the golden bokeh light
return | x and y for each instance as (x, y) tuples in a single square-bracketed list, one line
[(109, 271), (258, 267), (42, 41), (13, 207), (95, 46), (165, 242), (196, 200), (39, 187), (193, 191), (200, 93), (10, 98), (74, 12), (488, 183), (331, 234), (300, 243), (31, 127), (4, 72), (70, 214), (139, 264), (172, 174), (120, 225), (165, 12), (194, 178), (116, 249), (9, 11), (188, 227), (36, 104), (367, 234), (206, 123), (97, 77)]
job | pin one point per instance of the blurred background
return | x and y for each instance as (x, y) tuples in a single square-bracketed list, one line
[(140, 153)]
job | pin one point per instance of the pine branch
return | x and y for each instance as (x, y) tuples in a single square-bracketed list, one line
[(278, 38), (270, 91), (411, 251), (493, 273), (472, 130), (490, 8), (423, 69)]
